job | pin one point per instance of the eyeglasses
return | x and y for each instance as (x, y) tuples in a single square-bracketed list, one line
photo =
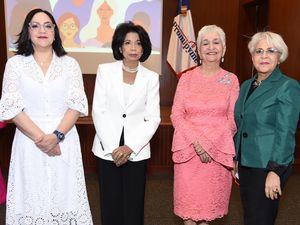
[(48, 27), (71, 26), (269, 51)]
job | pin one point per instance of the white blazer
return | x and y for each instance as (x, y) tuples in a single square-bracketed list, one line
[(140, 117)]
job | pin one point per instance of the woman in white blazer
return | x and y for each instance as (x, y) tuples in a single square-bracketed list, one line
[(126, 114)]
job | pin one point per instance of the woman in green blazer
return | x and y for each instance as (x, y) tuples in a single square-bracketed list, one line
[(266, 114)]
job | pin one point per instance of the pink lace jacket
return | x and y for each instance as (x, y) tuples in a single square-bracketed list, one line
[(203, 111)]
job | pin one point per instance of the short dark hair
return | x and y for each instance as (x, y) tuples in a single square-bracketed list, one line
[(119, 36), (24, 44)]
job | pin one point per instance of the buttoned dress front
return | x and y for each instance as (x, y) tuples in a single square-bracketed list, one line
[(203, 111), (42, 189)]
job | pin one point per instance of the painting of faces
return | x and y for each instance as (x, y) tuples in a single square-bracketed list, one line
[(88, 25)]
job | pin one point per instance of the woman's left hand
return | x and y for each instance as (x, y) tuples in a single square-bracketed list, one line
[(121, 155), (272, 186), (47, 142)]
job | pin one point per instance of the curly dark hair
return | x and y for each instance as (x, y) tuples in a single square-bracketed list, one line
[(24, 44), (119, 36)]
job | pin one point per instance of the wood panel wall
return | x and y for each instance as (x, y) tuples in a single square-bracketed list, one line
[(253, 17), (284, 19), (234, 17)]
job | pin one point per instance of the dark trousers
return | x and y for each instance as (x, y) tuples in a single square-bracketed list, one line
[(122, 191), (258, 209)]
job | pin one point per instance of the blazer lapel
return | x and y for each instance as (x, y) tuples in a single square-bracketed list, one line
[(247, 91), (118, 82), (264, 87), (139, 85)]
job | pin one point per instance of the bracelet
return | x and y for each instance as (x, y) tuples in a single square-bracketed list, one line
[(201, 152)]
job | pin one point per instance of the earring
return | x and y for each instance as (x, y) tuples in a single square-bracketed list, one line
[(200, 61), (222, 59)]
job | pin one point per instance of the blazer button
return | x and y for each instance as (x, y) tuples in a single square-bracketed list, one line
[(245, 135), (124, 115), (241, 116)]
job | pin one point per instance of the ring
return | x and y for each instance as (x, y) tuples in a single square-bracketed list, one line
[(275, 191)]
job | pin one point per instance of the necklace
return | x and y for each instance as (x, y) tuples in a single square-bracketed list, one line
[(130, 70), (257, 83)]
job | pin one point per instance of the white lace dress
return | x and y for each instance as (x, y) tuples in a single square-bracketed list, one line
[(41, 189)]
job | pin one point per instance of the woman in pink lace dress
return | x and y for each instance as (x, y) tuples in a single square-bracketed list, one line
[(203, 149)]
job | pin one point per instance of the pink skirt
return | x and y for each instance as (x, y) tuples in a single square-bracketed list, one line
[(201, 190)]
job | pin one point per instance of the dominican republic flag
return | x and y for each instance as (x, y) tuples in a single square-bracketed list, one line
[(182, 52)]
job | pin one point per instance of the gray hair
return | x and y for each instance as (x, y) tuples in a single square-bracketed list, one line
[(273, 39), (210, 29)]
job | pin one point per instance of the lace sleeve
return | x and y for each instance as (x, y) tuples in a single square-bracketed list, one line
[(11, 102), (234, 93), (181, 147), (76, 98), (184, 130)]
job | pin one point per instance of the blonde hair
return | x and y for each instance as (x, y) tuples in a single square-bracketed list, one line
[(273, 39), (210, 29)]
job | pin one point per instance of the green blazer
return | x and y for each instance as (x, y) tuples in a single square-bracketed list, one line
[(267, 121)]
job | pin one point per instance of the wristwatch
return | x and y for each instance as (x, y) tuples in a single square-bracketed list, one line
[(60, 136)]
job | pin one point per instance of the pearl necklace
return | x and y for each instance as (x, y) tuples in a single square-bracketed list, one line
[(130, 70)]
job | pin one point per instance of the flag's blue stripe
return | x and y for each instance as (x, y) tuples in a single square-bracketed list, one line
[(183, 2)]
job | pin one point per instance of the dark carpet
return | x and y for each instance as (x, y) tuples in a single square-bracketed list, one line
[(158, 203)]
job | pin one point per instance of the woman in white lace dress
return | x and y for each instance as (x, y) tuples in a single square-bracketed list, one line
[(43, 94)]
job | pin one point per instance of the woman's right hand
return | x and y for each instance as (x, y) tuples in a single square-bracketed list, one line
[(121, 155), (46, 143), (51, 149), (204, 156), (54, 151)]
